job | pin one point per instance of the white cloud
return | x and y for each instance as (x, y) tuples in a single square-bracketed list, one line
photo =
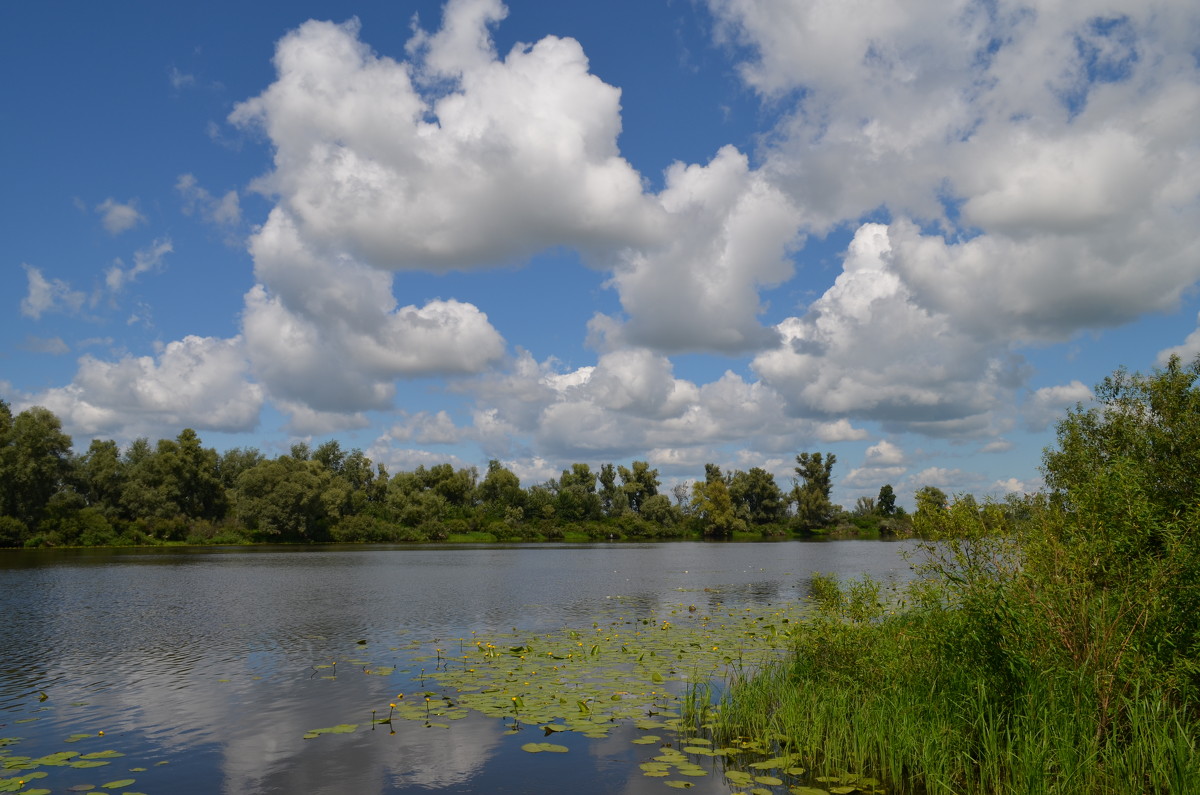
[(872, 477), (1047, 153), (1049, 403), (1010, 486), (840, 431), (1187, 351), (180, 79), (225, 211), (728, 232), (117, 217), (884, 454), (426, 428), (329, 334), (628, 403), (508, 157), (144, 260), (951, 481), (197, 382), (51, 345), (48, 295), (868, 349)]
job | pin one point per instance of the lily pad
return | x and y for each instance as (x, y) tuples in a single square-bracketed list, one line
[(537, 748), (122, 782)]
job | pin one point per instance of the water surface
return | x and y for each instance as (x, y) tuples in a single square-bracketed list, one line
[(199, 664)]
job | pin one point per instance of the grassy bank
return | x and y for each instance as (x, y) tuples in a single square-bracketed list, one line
[(898, 698), (1045, 653)]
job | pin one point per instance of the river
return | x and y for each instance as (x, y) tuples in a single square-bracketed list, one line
[(199, 665)]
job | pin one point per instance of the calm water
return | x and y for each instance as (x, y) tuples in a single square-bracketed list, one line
[(203, 659)]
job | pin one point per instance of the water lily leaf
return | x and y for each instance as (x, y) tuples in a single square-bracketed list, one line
[(649, 739), (122, 782), (679, 784), (772, 781), (38, 791), (537, 748), (74, 738), (57, 760), (807, 791), (84, 763), (846, 790), (344, 728), (102, 755)]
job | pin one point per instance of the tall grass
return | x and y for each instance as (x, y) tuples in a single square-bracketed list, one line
[(1034, 654)]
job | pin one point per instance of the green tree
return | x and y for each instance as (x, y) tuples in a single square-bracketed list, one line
[(576, 494), (756, 497), (814, 510), (932, 510), (500, 490), (35, 462), (713, 506), (100, 475), (638, 483), (1150, 423), (886, 504), (284, 497), (612, 500)]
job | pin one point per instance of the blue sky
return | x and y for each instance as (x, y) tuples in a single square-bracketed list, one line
[(725, 230)]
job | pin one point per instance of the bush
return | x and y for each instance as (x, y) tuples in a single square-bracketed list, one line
[(13, 531)]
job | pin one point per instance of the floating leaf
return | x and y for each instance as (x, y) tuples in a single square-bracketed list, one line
[(102, 755), (679, 784), (123, 782), (344, 728), (537, 748), (84, 763), (772, 781)]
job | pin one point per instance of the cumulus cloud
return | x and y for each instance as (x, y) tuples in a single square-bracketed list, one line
[(197, 382), (728, 233), (507, 157), (1038, 165), (867, 348), (426, 428), (117, 217), (628, 403), (457, 158), (884, 453), (48, 295)]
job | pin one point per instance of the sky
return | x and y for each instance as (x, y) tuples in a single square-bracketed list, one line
[(682, 231)]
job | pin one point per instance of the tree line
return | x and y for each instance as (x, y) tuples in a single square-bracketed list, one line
[(178, 490)]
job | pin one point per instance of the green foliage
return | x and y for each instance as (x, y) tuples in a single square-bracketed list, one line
[(757, 498), (638, 484), (886, 503), (712, 505), (283, 498), (1049, 644), (814, 511)]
